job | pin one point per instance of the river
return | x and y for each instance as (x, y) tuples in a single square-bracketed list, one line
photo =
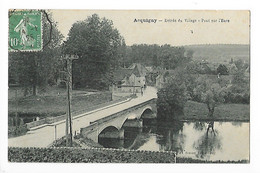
[(199, 140)]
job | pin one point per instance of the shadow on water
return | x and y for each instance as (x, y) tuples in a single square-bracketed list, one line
[(171, 136), (209, 142), (134, 137)]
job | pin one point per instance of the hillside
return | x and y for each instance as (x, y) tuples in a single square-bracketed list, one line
[(220, 53)]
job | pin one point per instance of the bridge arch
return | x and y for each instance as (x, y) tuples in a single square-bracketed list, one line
[(147, 113), (111, 132), (108, 129)]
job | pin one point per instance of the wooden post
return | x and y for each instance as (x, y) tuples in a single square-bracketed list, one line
[(69, 64), (16, 110), (69, 92), (55, 135)]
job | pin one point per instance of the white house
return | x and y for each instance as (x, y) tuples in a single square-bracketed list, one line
[(129, 80)]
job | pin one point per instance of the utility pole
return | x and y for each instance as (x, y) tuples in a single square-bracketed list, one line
[(16, 110), (15, 86), (68, 130)]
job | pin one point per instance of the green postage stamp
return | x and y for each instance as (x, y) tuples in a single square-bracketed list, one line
[(25, 30)]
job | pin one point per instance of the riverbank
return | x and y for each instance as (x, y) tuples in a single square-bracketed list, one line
[(98, 155), (46, 106), (227, 112)]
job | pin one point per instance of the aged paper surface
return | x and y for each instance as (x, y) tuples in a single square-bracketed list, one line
[(129, 86)]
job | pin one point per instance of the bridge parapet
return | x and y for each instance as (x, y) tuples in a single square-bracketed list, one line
[(125, 111), (89, 129)]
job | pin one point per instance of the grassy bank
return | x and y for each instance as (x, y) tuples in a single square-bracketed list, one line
[(226, 112), (55, 104), (78, 155)]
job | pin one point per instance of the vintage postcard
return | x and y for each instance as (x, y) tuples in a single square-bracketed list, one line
[(129, 86)]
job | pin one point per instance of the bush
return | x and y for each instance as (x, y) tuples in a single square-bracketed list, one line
[(240, 98), (79, 155)]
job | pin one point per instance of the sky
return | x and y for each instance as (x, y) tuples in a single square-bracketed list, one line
[(194, 27)]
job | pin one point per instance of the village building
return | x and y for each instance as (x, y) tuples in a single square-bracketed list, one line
[(129, 80), (153, 72)]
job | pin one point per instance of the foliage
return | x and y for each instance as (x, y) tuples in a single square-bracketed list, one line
[(193, 67), (99, 47), (239, 91), (79, 155), (222, 69), (172, 98), (38, 69), (241, 65), (197, 67), (165, 56), (209, 93)]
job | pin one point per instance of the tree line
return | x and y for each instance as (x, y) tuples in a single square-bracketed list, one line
[(100, 50), (165, 56)]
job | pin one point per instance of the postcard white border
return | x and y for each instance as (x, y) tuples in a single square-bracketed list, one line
[(254, 165)]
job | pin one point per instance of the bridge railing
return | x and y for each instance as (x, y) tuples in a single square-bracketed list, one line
[(95, 124), (50, 120)]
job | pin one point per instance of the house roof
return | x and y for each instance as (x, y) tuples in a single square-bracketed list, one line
[(137, 69), (140, 68), (136, 72), (121, 73)]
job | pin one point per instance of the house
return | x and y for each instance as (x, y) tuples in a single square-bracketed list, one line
[(129, 80), (150, 77)]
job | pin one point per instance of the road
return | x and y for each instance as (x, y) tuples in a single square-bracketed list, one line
[(44, 136)]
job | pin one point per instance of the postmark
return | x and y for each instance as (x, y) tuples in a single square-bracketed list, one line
[(25, 30)]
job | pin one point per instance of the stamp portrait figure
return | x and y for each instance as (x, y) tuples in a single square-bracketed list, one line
[(22, 28)]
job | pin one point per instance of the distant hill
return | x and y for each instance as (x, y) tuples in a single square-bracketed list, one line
[(220, 53)]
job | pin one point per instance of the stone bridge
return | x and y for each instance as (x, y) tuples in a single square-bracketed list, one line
[(111, 126)]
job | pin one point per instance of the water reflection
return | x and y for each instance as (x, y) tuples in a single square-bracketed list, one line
[(209, 142), (201, 140), (136, 137), (238, 124), (171, 138), (199, 125)]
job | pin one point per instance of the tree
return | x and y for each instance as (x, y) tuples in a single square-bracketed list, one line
[(193, 67), (97, 44), (172, 57), (222, 69), (38, 69), (210, 93), (189, 53), (171, 99), (239, 91)]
